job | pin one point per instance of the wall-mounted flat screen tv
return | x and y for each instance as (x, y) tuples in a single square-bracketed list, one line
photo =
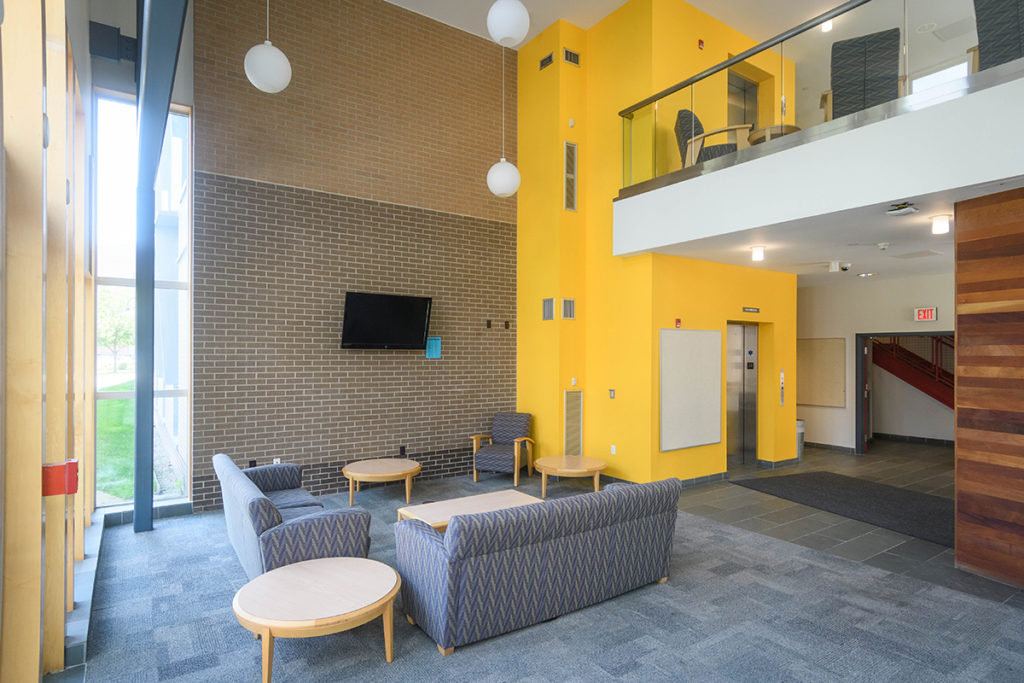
[(385, 321)]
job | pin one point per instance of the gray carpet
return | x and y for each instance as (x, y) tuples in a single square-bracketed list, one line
[(891, 507), (738, 606)]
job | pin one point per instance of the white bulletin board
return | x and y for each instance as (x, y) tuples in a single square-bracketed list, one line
[(691, 388)]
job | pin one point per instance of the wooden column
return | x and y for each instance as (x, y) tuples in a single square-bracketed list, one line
[(990, 386), (25, 240)]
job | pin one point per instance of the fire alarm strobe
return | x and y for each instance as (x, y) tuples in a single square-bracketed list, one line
[(700, 43)]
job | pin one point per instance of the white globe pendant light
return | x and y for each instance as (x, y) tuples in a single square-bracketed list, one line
[(503, 179), (508, 22), (266, 66)]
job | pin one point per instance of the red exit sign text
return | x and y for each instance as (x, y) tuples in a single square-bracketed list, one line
[(926, 315)]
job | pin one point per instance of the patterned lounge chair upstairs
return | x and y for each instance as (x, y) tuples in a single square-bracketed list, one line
[(690, 137), (272, 521), (504, 450), (865, 73), (1000, 31)]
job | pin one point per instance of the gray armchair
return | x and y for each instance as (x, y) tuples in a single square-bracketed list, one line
[(690, 137), (503, 451), (865, 73), (1000, 31)]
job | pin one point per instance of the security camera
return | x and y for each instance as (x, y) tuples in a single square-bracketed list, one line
[(845, 267)]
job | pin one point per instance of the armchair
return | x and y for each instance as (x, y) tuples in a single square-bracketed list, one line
[(1000, 33), (690, 137), (502, 451), (865, 72)]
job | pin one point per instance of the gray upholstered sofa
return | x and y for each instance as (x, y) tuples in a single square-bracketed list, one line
[(495, 572), (272, 521)]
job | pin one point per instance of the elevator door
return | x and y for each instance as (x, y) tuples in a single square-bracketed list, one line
[(741, 394)]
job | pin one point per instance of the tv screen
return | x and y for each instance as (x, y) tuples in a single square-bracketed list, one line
[(385, 321)]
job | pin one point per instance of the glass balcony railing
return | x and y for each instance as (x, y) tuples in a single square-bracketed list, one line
[(855, 57)]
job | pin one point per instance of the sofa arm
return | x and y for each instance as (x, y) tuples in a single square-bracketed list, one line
[(284, 475), (428, 580), (330, 533)]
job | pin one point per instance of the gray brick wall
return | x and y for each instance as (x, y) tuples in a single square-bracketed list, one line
[(272, 265)]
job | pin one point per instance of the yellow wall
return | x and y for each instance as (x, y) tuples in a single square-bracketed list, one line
[(642, 47)]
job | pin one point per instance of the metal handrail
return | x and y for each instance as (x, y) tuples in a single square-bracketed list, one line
[(627, 113)]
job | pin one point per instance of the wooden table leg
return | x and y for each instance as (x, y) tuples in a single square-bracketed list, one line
[(267, 641), (351, 493), (543, 484), (408, 493), (389, 631), (597, 482)]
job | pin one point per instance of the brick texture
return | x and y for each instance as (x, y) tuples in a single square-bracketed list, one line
[(384, 103), (271, 268)]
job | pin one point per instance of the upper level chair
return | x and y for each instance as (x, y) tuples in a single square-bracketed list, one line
[(1000, 32), (690, 137), (865, 73), (504, 448)]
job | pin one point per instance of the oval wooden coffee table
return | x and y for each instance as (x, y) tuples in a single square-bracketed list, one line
[(315, 598), (380, 469), (568, 466)]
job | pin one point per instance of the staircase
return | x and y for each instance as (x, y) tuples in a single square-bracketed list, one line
[(925, 363)]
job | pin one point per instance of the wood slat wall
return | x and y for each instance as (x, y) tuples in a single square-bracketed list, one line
[(990, 385)]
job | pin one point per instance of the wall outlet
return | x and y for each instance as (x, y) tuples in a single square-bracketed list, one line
[(252, 463), (611, 393), (401, 451), (613, 449), (277, 461), (574, 381)]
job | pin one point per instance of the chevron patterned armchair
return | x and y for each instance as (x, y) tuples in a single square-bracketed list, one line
[(495, 572), (272, 521), (504, 451)]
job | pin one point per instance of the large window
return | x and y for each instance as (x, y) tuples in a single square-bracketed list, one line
[(116, 165)]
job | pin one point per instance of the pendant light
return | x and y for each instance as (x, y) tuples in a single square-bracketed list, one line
[(266, 66), (508, 22), (503, 178)]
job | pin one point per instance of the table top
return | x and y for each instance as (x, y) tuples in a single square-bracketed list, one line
[(439, 513), (310, 593), (567, 465), (398, 467), (770, 133)]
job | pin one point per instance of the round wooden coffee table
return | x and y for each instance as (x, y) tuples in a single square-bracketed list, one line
[(380, 469), (315, 598), (568, 466)]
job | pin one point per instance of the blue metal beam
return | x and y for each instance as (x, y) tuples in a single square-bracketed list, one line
[(162, 22)]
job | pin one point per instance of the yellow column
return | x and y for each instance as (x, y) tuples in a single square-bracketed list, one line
[(22, 39)]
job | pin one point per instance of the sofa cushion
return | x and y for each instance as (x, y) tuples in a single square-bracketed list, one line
[(288, 514), (292, 498), (275, 477), (499, 457)]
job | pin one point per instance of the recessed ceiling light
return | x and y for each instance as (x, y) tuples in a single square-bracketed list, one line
[(940, 224), (827, 26), (757, 253), (865, 274)]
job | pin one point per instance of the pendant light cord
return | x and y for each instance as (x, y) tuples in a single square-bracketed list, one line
[(502, 53), (268, 20)]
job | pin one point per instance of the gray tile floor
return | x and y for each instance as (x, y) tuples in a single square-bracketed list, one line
[(919, 467)]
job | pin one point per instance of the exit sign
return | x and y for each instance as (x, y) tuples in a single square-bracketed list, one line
[(926, 315)]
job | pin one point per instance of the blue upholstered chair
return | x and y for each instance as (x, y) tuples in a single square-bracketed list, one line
[(1000, 31), (690, 137), (503, 451), (865, 73)]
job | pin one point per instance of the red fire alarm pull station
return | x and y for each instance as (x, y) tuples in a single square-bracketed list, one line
[(679, 323), (700, 43), (60, 478)]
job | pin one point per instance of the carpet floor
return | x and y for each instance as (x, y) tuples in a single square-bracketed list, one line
[(738, 606), (891, 507)]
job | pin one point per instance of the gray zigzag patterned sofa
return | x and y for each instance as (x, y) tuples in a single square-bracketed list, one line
[(496, 572), (272, 521)]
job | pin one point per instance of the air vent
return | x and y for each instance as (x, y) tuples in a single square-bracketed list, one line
[(568, 309), (918, 254), (547, 309), (570, 57), (570, 176), (573, 443), (955, 30), (547, 60)]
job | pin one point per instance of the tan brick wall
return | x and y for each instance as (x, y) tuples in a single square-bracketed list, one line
[(272, 265), (384, 104)]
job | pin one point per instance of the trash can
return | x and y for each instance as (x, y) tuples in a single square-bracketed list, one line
[(799, 439)]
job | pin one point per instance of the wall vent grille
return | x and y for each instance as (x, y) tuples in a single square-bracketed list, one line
[(547, 309), (571, 165), (568, 309), (573, 422), (570, 57), (547, 60)]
